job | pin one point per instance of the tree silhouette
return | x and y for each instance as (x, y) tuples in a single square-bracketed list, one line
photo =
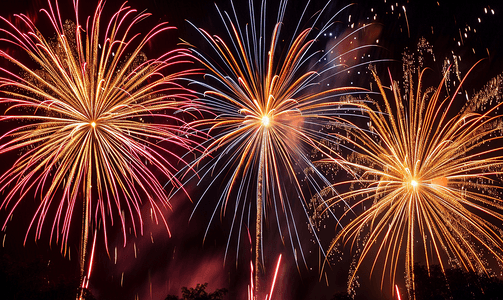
[(199, 293)]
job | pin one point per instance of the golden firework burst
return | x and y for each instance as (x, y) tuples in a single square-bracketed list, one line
[(428, 185)]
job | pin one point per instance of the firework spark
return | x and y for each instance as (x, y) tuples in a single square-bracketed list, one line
[(428, 181), (251, 290), (270, 108), (97, 115)]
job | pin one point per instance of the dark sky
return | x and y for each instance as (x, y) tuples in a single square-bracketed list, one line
[(163, 265)]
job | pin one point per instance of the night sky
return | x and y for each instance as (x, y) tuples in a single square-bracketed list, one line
[(153, 265)]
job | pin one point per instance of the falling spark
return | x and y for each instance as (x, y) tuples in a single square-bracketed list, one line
[(275, 277), (406, 20), (251, 293), (398, 292)]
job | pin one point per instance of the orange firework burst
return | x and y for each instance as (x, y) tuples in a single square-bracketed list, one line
[(96, 114), (429, 181)]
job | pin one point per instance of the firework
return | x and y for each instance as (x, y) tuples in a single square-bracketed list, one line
[(251, 290), (398, 293), (92, 121), (269, 107), (429, 180)]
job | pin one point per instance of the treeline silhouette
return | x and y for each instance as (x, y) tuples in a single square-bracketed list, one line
[(199, 293)]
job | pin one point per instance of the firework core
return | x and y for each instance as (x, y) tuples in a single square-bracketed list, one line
[(266, 121)]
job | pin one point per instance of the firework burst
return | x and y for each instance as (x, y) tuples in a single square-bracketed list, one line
[(429, 181), (270, 109), (93, 120)]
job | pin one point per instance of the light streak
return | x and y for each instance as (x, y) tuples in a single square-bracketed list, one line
[(397, 292), (251, 289), (275, 277), (406, 20)]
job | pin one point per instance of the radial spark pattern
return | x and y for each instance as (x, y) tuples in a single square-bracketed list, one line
[(269, 105), (429, 181), (93, 121)]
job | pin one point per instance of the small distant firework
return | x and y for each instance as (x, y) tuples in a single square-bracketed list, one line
[(429, 181), (91, 122)]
